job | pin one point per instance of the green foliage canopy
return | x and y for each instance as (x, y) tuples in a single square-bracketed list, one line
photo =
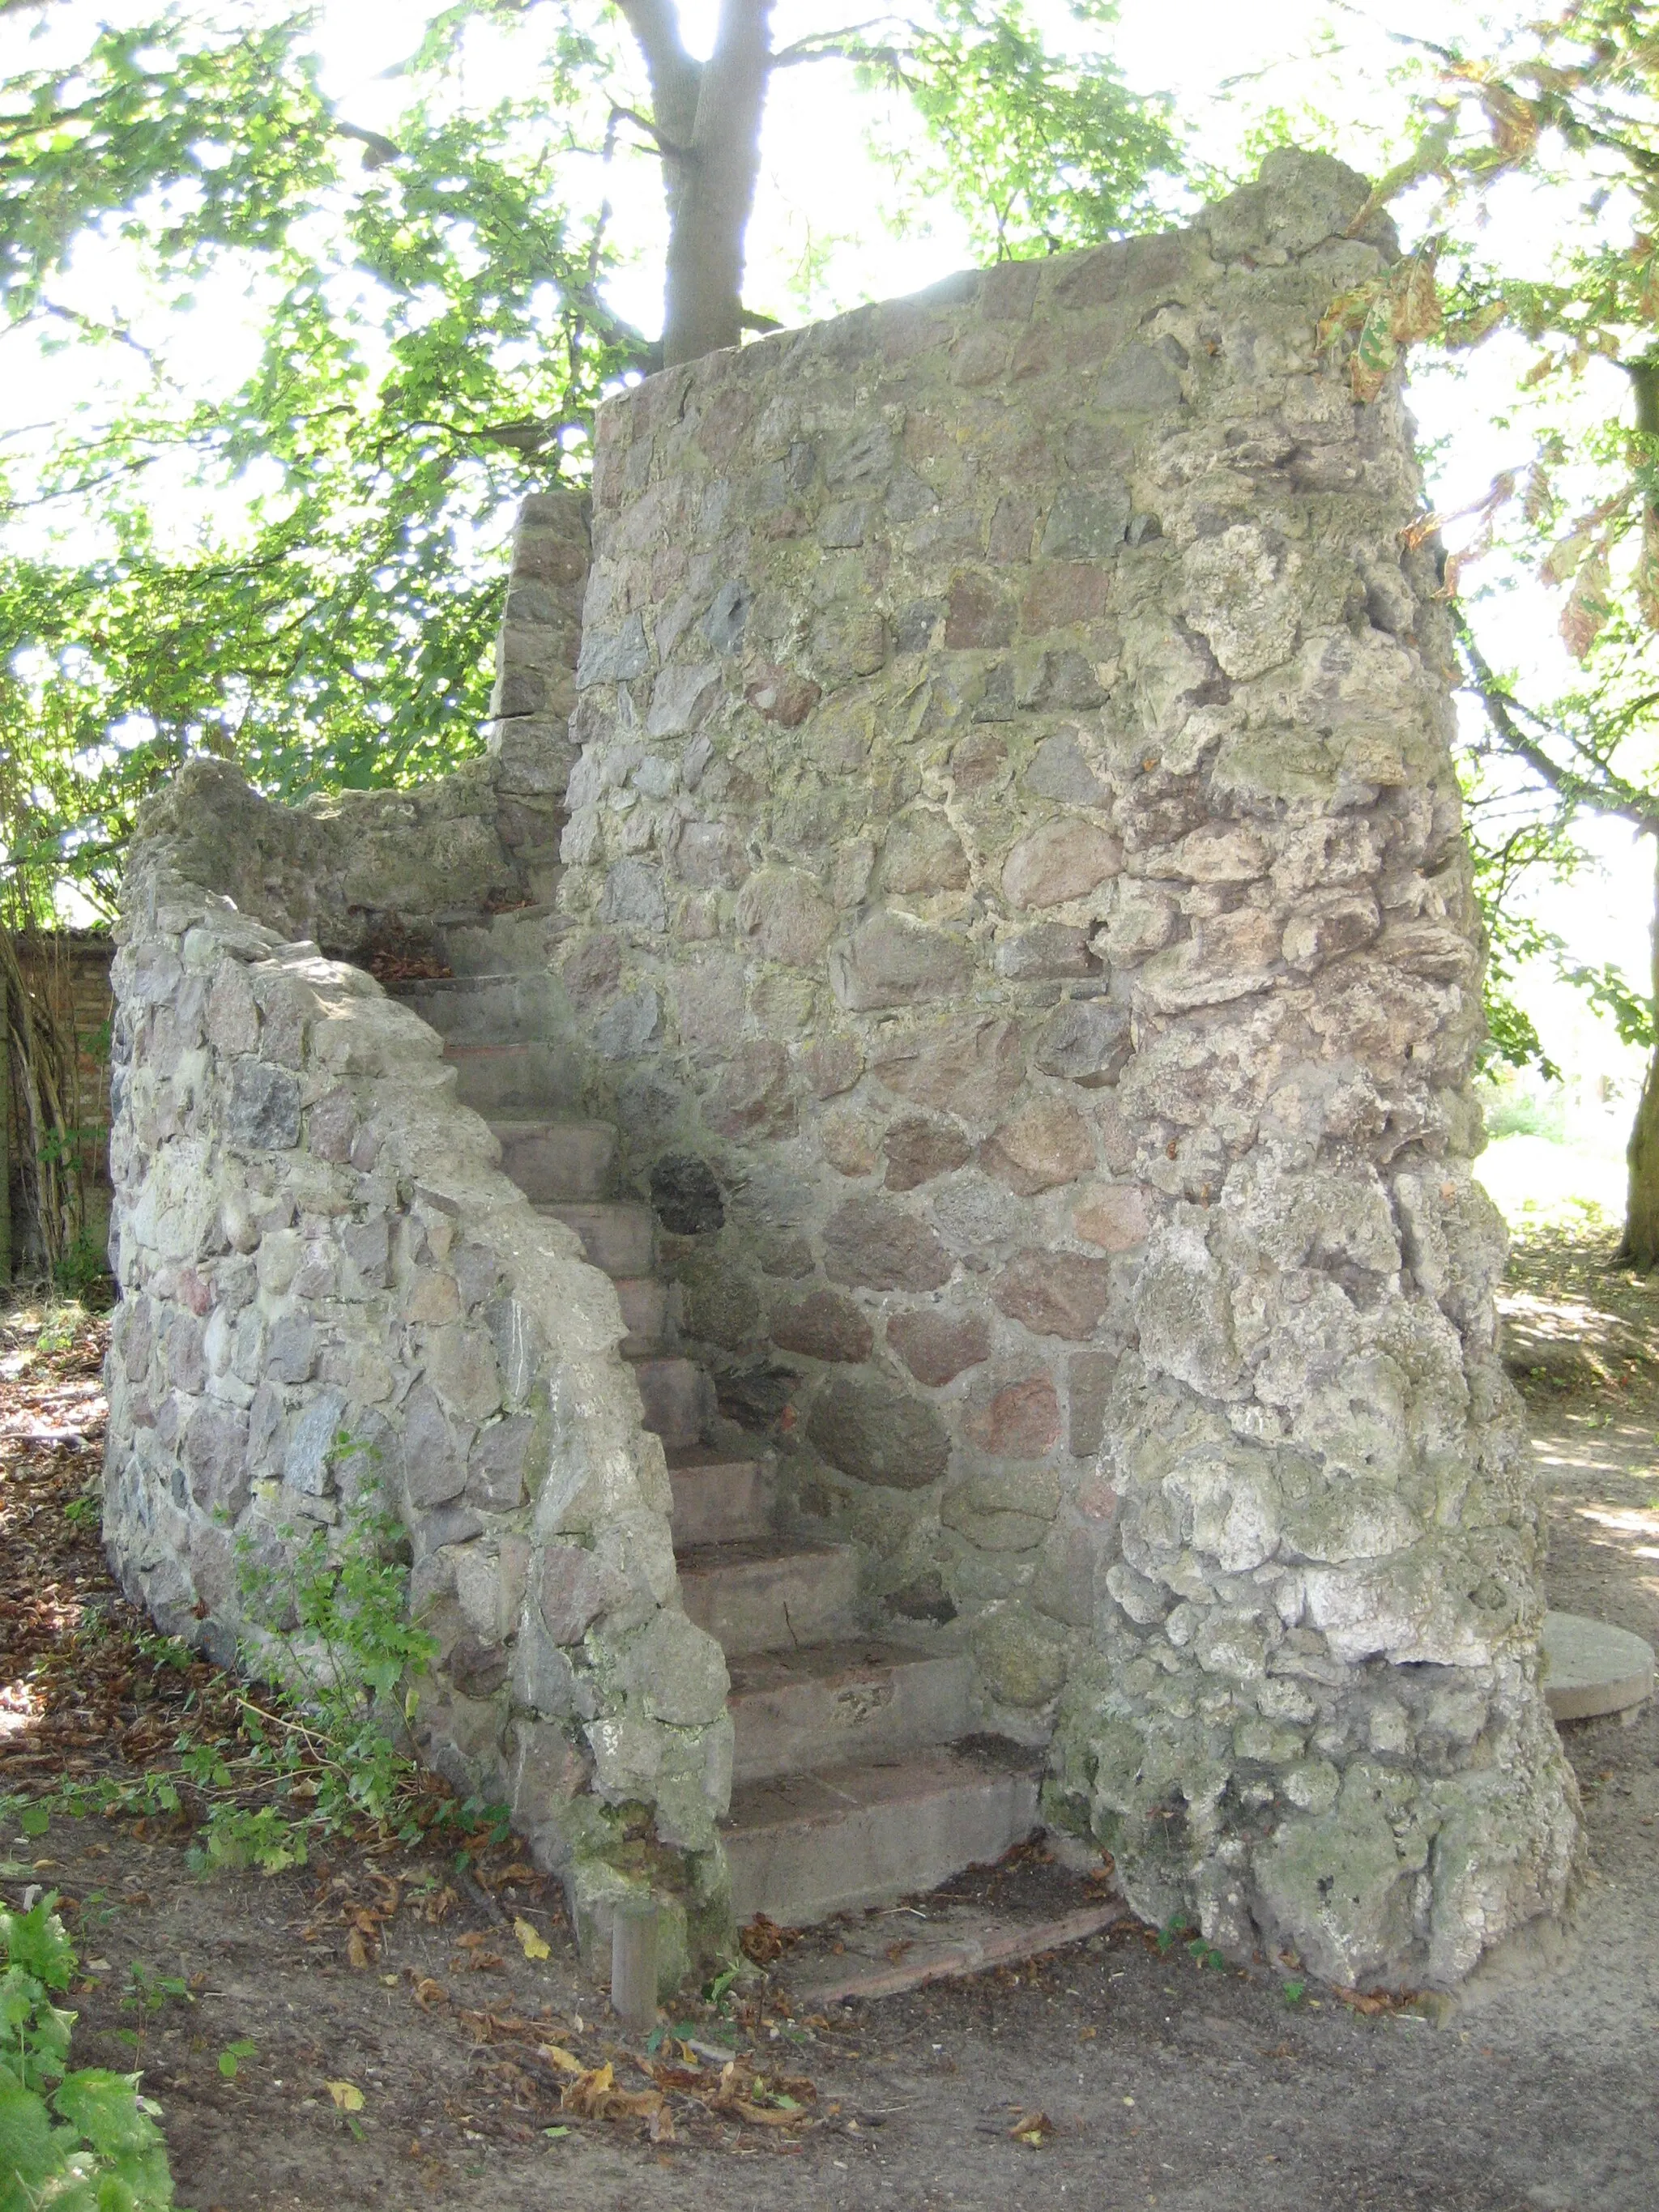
[(303, 571)]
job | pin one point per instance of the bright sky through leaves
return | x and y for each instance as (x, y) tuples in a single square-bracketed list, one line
[(835, 225)]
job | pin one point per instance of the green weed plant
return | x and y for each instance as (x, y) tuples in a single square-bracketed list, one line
[(81, 2142)]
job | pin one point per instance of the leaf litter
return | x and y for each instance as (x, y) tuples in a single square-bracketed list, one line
[(90, 1693)]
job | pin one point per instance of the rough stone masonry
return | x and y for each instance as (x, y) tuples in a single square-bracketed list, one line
[(1016, 913)]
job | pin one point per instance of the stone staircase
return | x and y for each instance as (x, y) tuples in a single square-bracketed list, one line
[(856, 1778)]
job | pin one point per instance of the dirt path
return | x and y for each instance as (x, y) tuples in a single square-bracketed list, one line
[(1111, 2075)]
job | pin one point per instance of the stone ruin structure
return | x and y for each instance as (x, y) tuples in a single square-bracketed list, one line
[(910, 1265)]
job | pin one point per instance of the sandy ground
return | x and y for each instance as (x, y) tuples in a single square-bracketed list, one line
[(1111, 2074)]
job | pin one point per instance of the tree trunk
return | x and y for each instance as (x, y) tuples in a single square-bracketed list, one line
[(707, 118), (5, 1145), (704, 291), (1639, 1247)]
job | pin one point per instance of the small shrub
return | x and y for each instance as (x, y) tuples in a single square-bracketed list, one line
[(85, 2142)]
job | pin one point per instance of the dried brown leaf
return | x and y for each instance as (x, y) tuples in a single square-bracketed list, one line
[(1589, 606)]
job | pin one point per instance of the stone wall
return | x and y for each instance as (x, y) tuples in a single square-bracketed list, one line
[(1014, 905), (326, 1282), (1018, 917)]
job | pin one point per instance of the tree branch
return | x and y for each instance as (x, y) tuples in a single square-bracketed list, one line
[(675, 77), (378, 151), (826, 45), (669, 150), (1614, 795)]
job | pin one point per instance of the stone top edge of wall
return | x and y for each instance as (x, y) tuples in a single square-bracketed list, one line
[(1299, 203), (327, 869), (347, 867)]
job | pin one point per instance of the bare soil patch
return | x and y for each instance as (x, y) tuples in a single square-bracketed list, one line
[(1114, 2074)]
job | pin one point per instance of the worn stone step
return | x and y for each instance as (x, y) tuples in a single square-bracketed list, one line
[(516, 1082), (482, 1009), (1590, 1667), (521, 941), (803, 1846), (644, 1301), (766, 1596), (720, 1500), (618, 1238), (677, 1397), (837, 1704), (551, 1161)]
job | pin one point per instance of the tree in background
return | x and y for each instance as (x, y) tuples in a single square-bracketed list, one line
[(304, 572), (1571, 100)]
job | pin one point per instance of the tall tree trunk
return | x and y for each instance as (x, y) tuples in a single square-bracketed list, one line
[(1639, 1247), (5, 1144), (707, 118), (704, 292)]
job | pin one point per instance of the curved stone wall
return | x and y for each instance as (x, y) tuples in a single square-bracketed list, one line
[(1020, 921), (325, 1279)]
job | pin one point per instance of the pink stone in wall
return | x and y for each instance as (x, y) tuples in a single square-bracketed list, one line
[(1064, 860), (938, 1346), (1022, 1421), (1046, 1143), (967, 1065), (823, 1326), (1055, 1293), (781, 696), (877, 1245), (979, 614), (1064, 593), (1115, 1215)]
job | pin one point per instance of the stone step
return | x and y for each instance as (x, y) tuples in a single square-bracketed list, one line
[(644, 1302), (837, 1704), (551, 1161), (619, 1239), (1591, 1668), (766, 1596), (518, 942), (482, 1009), (677, 1397), (516, 1082), (720, 1500), (804, 1846)]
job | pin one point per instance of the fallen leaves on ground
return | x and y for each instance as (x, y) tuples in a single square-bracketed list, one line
[(86, 1690), (531, 1942), (763, 1942), (1376, 2001)]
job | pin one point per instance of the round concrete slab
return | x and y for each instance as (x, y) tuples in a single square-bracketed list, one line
[(1591, 1668)]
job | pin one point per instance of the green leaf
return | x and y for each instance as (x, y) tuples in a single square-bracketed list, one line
[(104, 2107), (35, 1942), (31, 2149)]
